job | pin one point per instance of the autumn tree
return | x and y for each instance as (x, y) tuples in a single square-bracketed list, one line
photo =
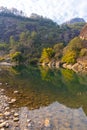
[(58, 49), (47, 55)]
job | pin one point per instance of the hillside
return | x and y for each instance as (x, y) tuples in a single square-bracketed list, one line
[(72, 56), (47, 30), (29, 36)]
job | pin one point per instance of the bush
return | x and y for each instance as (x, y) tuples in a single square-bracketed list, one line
[(46, 55), (1, 59), (17, 57), (58, 49), (83, 52), (75, 44), (69, 57)]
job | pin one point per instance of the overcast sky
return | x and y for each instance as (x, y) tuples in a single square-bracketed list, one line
[(58, 10)]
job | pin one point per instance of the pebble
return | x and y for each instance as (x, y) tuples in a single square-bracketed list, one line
[(6, 118), (1, 121), (12, 101), (7, 125), (6, 83), (16, 125), (12, 111), (29, 124), (2, 129), (16, 114), (2, 90), (1, 114), (7, 113), (28, 120), (16, 119), (2, 124), (7, 108), (67, 124), (15, 92), (0, 83), (47, 123)]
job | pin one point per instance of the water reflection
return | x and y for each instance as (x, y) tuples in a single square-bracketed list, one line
[(60, 117), (40, 87)]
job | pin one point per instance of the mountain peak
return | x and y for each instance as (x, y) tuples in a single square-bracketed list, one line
[(75, 20)]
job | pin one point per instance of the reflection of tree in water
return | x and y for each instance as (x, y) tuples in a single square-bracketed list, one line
[(37, 89), (68, 75), (44, 73)]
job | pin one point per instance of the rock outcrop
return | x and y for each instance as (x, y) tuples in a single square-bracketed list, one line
[(79, 67), (83, 33)]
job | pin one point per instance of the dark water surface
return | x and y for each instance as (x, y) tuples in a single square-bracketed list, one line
[(58, 95)]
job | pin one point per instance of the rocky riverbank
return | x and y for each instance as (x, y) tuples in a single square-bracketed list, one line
[(8, 117), (79, 67), (19, 119), (53, 117)]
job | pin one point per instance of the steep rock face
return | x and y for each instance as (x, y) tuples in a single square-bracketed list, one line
[(83, 61), (83, 34)]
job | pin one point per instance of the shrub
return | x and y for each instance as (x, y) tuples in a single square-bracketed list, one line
[(69, 57), (17, 57), (83, 52), (46, 55)]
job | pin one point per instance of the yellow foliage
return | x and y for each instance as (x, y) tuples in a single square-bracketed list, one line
[(46, 55), (69, 57)]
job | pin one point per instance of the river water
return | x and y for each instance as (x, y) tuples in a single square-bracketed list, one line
[(57, 95)]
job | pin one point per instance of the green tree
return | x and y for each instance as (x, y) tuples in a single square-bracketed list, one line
[(17, 57), (69, 57), (22, 38), (12, 42), (47, 55), (75, 44), (83, 52), (72, 50), (58, 49), (4, 46)]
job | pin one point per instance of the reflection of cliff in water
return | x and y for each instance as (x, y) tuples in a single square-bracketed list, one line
[(41, 87)]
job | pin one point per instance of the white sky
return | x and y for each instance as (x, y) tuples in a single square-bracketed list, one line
[(58, 10)]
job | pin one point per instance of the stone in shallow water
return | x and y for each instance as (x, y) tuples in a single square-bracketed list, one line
[(16, 119), (7, 125), (15, 92), (1, 114), (6, 83), (12, 101), (7, 108), (66, 124), (47, 123), (16, 114), (28, 120), (29, 124), (0, 83), (17, 124), (2, 129), (2, 124), (7, 113), (12, 111), (1, 120)]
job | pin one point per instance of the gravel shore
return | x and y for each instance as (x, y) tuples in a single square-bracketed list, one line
[(53, 117)]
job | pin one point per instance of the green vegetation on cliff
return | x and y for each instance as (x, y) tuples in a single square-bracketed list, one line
[(31, 37)]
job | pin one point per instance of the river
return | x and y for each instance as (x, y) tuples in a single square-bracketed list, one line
[(57, 96)]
